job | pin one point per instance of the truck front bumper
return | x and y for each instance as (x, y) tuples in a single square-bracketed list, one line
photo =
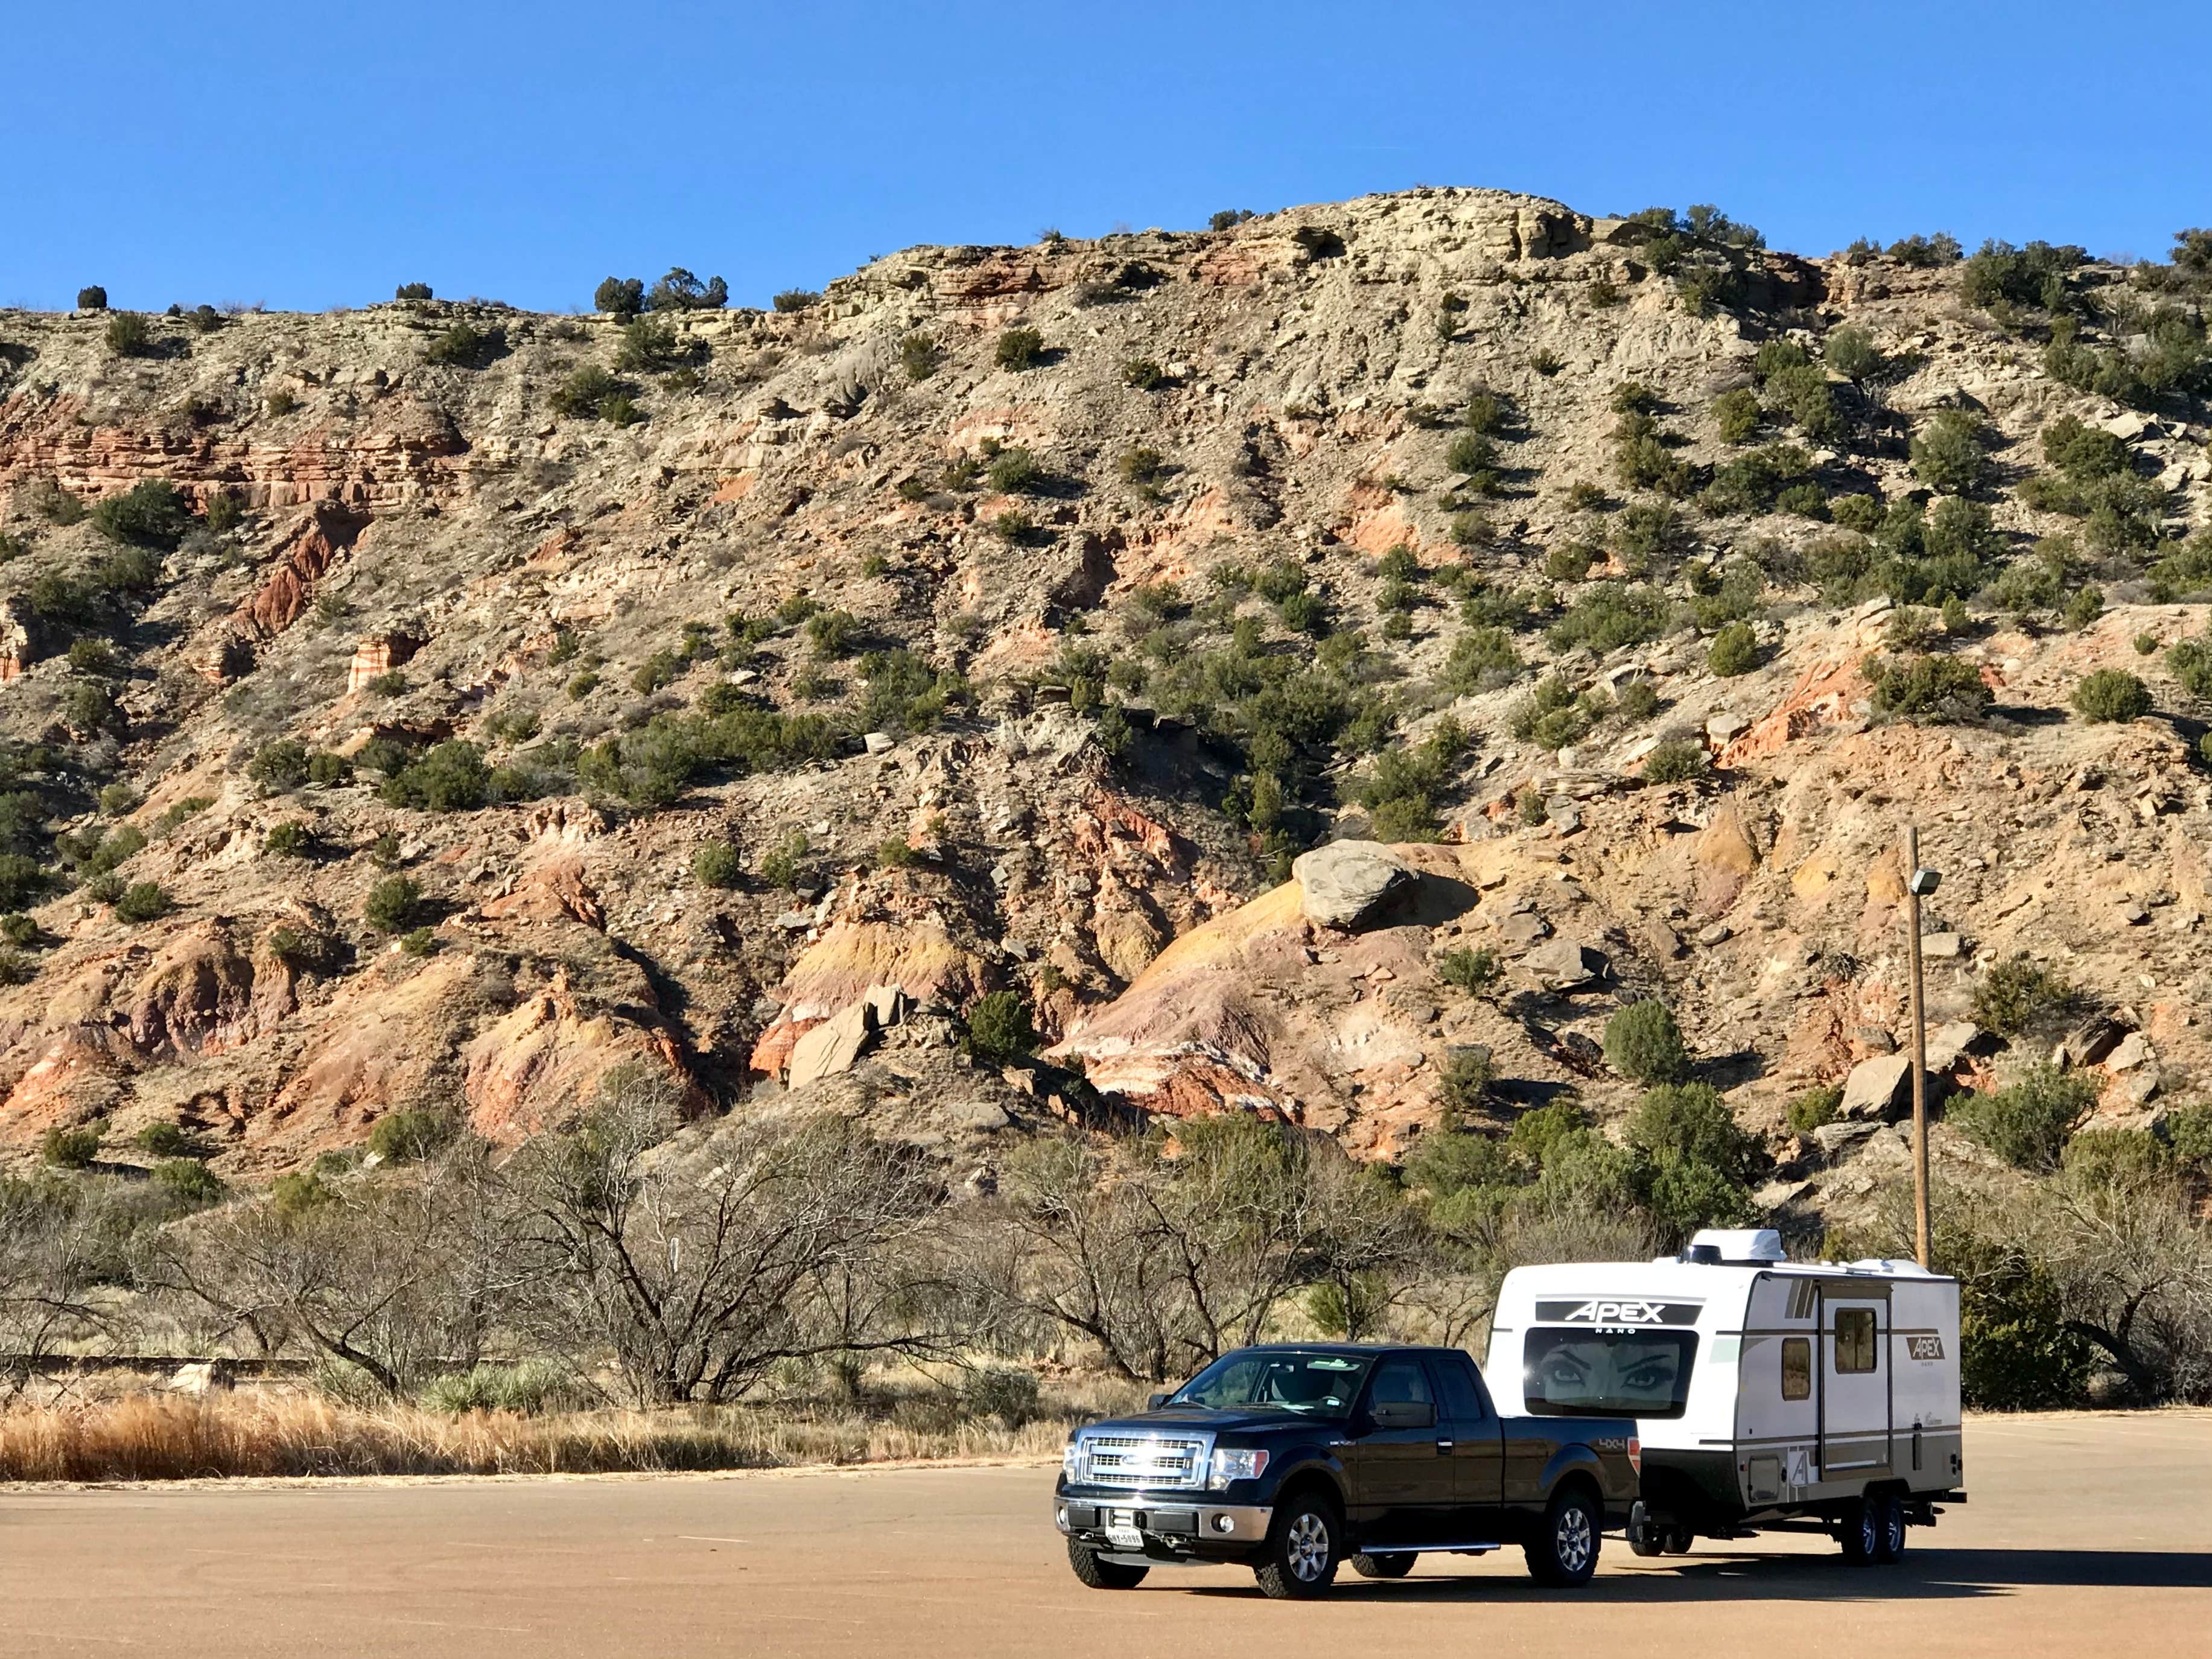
[(1134, 1526)]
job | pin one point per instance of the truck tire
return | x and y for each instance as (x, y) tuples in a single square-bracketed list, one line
[(1889, 1545), (1860, 1529), (1096, 1570), (1643, 1537), (1302, 1549), (1384, 1566), (1564, 1554)]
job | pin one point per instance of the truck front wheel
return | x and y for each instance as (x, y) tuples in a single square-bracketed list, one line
[(1565, 1553), (1096, 1570), (1302, 1548)]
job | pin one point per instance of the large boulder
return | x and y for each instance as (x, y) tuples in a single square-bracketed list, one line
[(1348, 884), (1876, 1086), (1565, 964), (832, 1046)]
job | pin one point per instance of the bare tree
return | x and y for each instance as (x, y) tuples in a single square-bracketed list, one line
[(56, 1248), (401, 1274), (700, 1264)]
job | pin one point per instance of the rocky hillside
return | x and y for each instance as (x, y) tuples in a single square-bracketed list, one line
[(442, 705)]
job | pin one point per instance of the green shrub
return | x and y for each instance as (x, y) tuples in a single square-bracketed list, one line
[(1470, 970), (2001, 274), (419, 941), (143, 902), (1941, 249), (1644, 1042), (129, 335), (451, 778), (1852, 352), (1481, 659), (2189, 662), (1928, 690), (465, 346), (1736, 414), (150, 513), (1690, 1122), (187, 1180), (1471, 452), (1463, 1080), (1813, 1108), (71, 1149), (2111, 695), (2018, 993), (391, 904), (92, 297), (2028, 1123), (1607, 614), (1144, 374), (530, 1387), (919, 356), (1947, 453), (781, 865), (796, 298), (1646, 533), (2016, 1351), (290, 839), (589, 393), (1801, 391), (1675, 760), (168, 1140), (1016, 471), (716, 864), (1018, 349), (411, 1136), (279, 765), (411, 291), (998, 1028), (1734, 651)]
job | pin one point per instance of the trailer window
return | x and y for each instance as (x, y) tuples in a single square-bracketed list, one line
[(1796, 1368), (1854, 1345), (1606, 1373)]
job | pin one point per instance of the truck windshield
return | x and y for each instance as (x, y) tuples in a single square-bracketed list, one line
[(1317, 1384), (1606, 1373)]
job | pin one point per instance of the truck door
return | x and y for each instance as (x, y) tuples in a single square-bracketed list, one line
[(1402, 1468), (1854, 1386), (1478, 1451)]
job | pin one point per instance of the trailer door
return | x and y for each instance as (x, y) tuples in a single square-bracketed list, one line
[(1855, 1384)]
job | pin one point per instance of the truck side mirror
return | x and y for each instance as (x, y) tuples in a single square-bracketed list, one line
[(1155, 1402)]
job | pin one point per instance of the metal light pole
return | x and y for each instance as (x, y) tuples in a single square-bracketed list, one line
[(1918, 881)]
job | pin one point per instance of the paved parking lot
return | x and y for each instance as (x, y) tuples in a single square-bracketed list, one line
[(2086, 1533)]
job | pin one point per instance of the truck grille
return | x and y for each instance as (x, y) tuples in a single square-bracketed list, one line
[(1145, 1460)]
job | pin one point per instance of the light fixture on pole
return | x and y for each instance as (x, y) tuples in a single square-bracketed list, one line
[(1919, 884)]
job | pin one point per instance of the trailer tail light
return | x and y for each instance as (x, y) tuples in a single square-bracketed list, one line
[(1636, 1456)]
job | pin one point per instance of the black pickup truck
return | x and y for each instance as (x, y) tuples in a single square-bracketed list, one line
[(1293, 1459)]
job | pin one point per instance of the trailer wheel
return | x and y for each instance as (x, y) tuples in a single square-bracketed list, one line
[(1384, 1566), (1564, 1554), (1099, 1573), (1890, 1545), (1860, 1529)]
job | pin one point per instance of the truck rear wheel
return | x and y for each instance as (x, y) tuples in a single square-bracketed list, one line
[(1565, 1553), (1096, 1570), (1384, 1566), (1302, 1549)]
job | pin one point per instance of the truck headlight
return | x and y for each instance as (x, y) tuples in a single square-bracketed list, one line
[(1071, 1459), (1230, 1464)]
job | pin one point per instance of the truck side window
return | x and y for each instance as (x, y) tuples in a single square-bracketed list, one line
[(1796, 1368), (1400, 1381), (1855, 1345), (1455, 1379)]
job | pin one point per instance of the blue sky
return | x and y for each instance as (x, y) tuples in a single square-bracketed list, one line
[(305, 156)]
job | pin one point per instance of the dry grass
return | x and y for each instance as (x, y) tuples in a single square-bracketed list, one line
[(157, 1438)]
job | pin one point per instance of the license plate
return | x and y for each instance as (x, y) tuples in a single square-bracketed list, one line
[(1121, 1531)]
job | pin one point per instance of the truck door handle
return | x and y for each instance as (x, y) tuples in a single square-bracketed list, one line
[(1444, 1447)]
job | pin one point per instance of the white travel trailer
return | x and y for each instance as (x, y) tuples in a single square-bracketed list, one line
[(1769, 1394)]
